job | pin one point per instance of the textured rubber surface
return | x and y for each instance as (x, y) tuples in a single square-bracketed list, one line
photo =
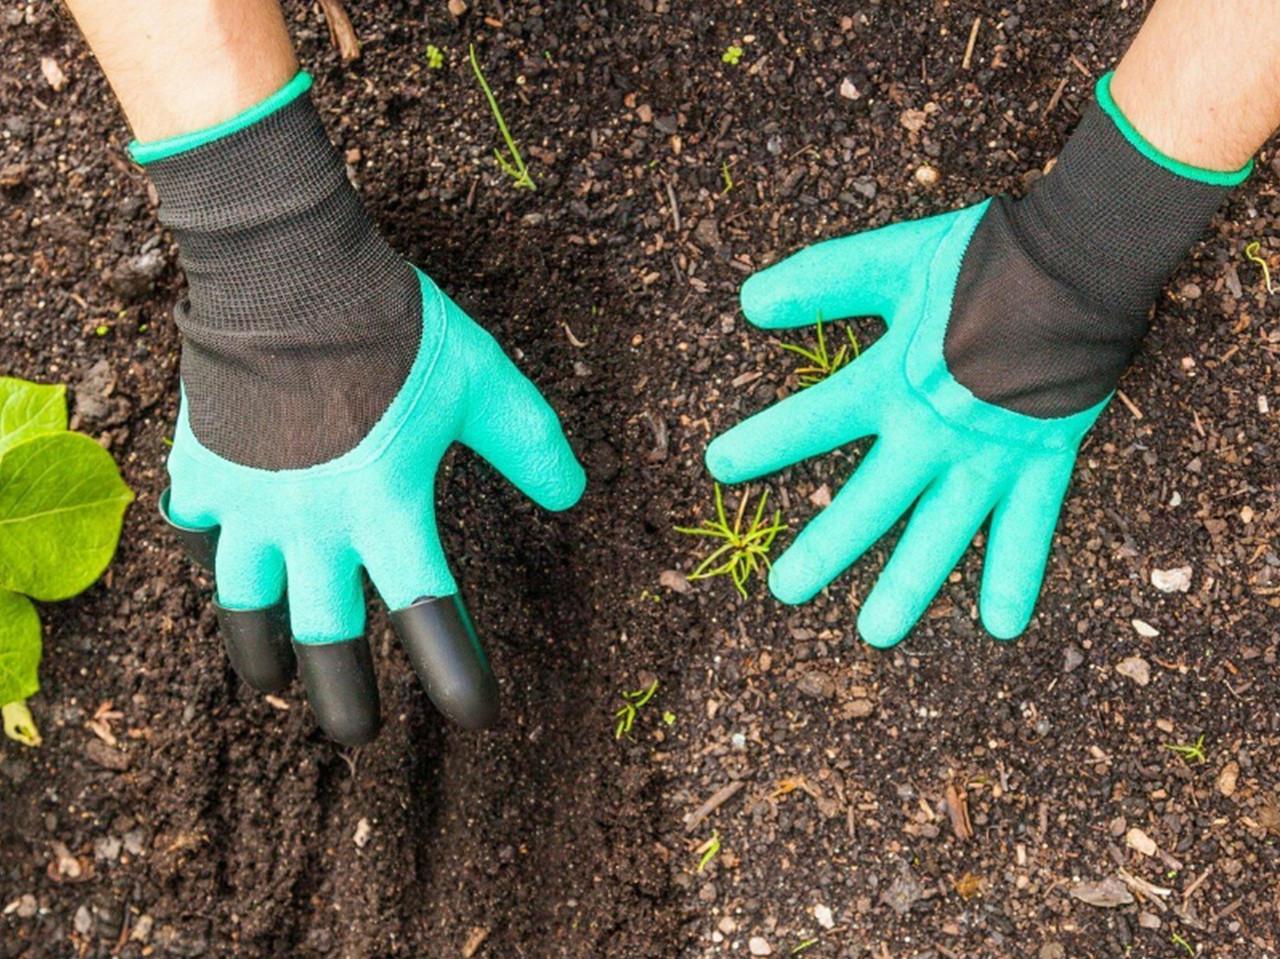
[(199, 542), (946, 458), (301, 324), (1055, 289), (258, 645), (447, 657), (342, 689)]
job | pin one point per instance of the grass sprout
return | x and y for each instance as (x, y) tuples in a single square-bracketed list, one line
[(512, 163), (726, 178), (744, 551), (709, 849), (1254, 253), (801, 947), (1191, 753), (820, 362), (1177, 940), (632, 702)]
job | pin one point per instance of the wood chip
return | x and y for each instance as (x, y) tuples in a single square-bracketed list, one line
[(718, 799), (958, 810), (1052, 105), (1140, 885), (1129, 404), (341, 32), (1135, 838), (106, 756), (1228, 777), (53, 74), (475, 939), (1105, 894), (973, 38)]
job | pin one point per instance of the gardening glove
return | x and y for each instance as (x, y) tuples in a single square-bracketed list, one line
[(323, 378), (1009, 324)]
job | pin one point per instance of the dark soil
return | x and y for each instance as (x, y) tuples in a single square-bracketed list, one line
[(222, 824)]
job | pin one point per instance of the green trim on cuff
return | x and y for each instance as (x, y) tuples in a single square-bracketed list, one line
[(1148, 150), (144, 153)]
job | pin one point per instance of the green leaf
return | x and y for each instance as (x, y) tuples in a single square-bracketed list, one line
[(18, 724), (19, 648), (28, 409), (61, 505)]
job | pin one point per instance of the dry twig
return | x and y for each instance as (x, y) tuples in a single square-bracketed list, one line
[(341, 32)]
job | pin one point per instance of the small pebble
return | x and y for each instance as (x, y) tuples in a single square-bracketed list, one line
[(759, 947), (1176, 580), (1135, 668)]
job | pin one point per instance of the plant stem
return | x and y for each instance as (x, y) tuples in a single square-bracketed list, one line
[(518, 172)]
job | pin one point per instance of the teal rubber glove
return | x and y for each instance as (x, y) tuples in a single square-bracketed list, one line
[(1009, 325), (956, 458), (314, 533), (323, 380)]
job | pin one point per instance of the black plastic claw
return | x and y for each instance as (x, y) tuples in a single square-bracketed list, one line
[(446, 655), (342, 689), (200, 544), (258, 644)]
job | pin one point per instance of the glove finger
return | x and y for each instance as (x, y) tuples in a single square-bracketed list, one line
[(342, 689), (860, 275), (253, 616), (199, 542), (942, 525), (512, 426), (442, 646), (1018, 547), (814, 421), (326, 611), (881, 489), (410, 573)]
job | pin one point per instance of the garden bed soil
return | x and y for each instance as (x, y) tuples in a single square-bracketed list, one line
[(222, 823)]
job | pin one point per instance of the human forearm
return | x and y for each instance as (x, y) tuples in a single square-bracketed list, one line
[(184, 65), (1202, 80)]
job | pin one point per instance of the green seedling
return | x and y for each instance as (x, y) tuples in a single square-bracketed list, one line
[(669, 718), (435, 57), (1179, 941), (1191, 753), (1254, 253), (820, 362), (632, 702), (511, 163), (726, 177), (807, 944), (61, 505), (732, 55), (743, 552), (709, 849)]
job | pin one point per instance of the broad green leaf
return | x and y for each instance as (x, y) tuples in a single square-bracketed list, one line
[(19, 648), (28, 409), (61, 505), (19, 725)]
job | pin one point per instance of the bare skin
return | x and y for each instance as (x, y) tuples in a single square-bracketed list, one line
[(1201, 81), (183, 65)]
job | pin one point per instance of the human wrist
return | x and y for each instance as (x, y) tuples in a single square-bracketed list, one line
[(1115, 216), (262, 202), (300, 323)]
